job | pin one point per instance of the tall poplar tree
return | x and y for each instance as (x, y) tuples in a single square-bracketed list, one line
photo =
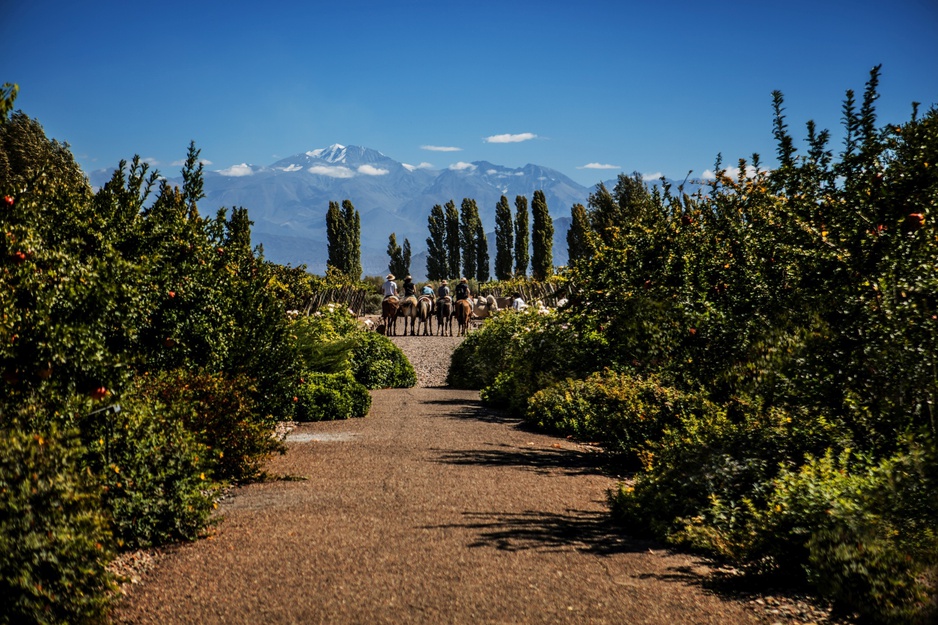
[(396, 255), (468, 236), (353, 240), (452, 240), (522, 236), (504, 239), (405, 256), (542, 238), (578, 246), (437, 258), (335, 237), (482, 254)]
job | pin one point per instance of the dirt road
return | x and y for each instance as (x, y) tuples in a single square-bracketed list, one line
[(432, 509)]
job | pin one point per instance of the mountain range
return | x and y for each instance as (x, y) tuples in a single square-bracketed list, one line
[(287, 201)]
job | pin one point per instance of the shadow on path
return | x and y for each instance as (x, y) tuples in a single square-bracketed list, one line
[(539, 460), (588, 531), (460, 408)]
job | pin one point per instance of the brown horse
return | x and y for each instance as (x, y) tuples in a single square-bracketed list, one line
[(463, 315), (389, 308), (444, 316), (408, 311), (425, 315)]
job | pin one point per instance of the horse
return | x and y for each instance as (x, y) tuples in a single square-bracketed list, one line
[(444, 315), (463, 315), (425, 315), (389, 309), (408, 310), (484, 307)]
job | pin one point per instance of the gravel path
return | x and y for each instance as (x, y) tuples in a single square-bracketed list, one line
[(432, 509)]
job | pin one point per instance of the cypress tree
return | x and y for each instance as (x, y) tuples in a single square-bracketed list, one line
[(335, 237), (542, 238), (482, 254), (504, 240), (396, 256), (405, 257), (437, 258), (578, 246), (469, 218), (353, 241), (522, 237), (452, 240)]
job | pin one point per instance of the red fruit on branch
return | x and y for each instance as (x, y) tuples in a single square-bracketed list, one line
[(914, 221), (172, 294), (8, 200), (19, 256), (100, 393)]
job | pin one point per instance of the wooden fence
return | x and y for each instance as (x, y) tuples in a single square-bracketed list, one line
[(549, 294), (350, 297)]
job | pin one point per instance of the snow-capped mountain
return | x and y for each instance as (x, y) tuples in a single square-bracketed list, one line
[(287, 200)]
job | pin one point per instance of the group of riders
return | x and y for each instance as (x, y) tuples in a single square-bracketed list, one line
[(389, 289)]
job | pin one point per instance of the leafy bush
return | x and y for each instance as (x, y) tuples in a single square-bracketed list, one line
[(864, 536), (376, 362), (55, 540), (621, 411), (219, 411), (156, 476), (329, 396)]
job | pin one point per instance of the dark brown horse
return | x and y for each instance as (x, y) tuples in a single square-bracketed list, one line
[(463, 315), (425, 315), (389, 308), (408, 310), (444, 316)]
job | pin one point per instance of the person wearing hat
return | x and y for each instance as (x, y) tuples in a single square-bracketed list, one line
[(389, 288), (410, 289), (462, 289), (443, 291)]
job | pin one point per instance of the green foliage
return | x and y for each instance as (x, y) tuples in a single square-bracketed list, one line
[(622, 412), (219, 411), (453, 245), (578, 236), (469, 223), (55, 540), (153, 470), (376, 362), (542, 238), (482, 254), (437, 259), (504, 240), (522, 236), (329, 396), (399, 264), (343, 234)]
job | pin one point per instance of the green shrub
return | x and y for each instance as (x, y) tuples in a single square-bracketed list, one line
[(220, 412), (621, 411), (329, 396), (376, 362), (155, 473), (863, 535), (54, 536)]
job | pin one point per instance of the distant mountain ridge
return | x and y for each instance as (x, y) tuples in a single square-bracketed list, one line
[(287, 200)]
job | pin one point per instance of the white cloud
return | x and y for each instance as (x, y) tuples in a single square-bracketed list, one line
[(732, 172), (336, 171), (598, 166), (655, 176), (371, 170), (440, 148), (460, 166), (293, 167), (151, 161), (492, 172), (237, 170), (524, 136), (423, 165)]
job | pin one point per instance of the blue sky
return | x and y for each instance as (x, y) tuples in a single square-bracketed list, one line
[(591, 89)]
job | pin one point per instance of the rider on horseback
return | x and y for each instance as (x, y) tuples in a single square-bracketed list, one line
[(462, 289), (389, 288)]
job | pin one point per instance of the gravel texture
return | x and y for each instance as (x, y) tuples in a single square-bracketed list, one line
[(433, 509)]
